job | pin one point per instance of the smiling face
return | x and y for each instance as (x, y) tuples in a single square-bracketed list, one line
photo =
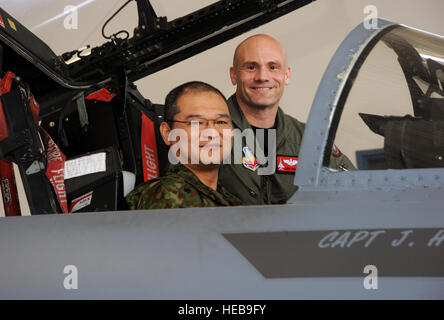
[(199, 106), (260, 72)]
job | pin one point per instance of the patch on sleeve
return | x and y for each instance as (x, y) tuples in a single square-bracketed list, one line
[(287, 164), (249, 160), (335, 151)]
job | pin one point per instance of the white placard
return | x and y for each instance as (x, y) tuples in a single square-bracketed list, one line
[(85, 165), (81, 202)]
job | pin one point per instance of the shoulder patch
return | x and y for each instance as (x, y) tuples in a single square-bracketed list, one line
[(286, 164), (249, 160), (335, 151)]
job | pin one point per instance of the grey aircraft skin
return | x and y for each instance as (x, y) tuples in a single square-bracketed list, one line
[(368, 234)]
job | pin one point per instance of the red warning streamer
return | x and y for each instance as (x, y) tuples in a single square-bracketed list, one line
[(9, 189), (149, 150), (55, 169), (5, 87), (7, 176), (56, 159), (101, 95)]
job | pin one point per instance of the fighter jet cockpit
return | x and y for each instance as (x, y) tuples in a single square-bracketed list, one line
[(380, 102), (74, 124), (392, 105)]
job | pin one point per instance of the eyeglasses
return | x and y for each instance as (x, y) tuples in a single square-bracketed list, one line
[(218, 124)]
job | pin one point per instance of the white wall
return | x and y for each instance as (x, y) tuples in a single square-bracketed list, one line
[(311, 35)]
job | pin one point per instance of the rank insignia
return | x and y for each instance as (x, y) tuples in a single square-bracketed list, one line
[(249, 161)]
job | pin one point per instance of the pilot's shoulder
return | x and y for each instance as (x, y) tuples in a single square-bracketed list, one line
[(171, 182), (141, 192), (293, 123), (159, 193)]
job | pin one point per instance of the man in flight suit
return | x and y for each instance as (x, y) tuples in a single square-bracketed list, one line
[(260, 74), (192, 106)]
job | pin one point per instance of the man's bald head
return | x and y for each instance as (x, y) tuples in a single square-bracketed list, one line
[(257, 41), (259, 72)]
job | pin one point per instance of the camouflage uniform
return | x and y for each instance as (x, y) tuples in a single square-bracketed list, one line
[(179, 188)]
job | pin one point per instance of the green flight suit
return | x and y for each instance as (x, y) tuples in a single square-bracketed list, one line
[(179, 188), (277, 188)]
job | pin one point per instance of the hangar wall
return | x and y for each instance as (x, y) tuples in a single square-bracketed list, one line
[(310, 35)]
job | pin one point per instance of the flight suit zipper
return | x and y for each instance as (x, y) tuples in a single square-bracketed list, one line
[(266, 189)]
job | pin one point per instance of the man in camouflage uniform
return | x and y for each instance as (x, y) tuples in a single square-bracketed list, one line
[(191, 106), (179, 188), (260, 74)]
